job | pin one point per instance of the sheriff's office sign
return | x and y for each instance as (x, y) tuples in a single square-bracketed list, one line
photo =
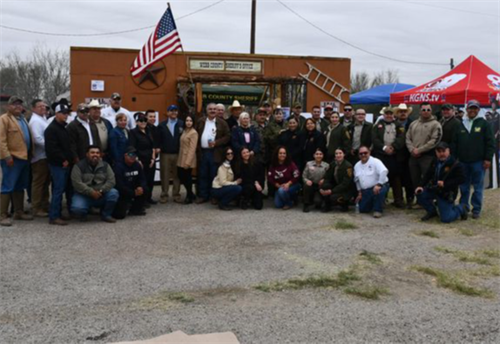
[(231, 66)]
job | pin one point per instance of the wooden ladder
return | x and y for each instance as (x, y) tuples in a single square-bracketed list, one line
[(324, 82)]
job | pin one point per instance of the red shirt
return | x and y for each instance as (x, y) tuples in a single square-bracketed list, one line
[(283, 174)]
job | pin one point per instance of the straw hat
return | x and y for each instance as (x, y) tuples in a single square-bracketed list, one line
[(402, 107), (236, 104), (386, 109)]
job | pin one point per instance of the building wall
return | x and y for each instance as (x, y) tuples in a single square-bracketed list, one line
[(113, 65)]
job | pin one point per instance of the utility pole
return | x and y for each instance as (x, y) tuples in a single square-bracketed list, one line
[(452, 65), (252, 29)]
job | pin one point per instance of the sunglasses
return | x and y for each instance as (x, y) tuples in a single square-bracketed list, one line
[(363, 153), (347, 109), (426, 110), (143, 120), (229, 153)]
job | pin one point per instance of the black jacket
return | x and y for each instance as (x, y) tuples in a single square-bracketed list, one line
[(79, 138), (128, 178), (312, 141), (143, 143), (170, 144), (294, 143), (56, 144), (452, 173), (250, 174)]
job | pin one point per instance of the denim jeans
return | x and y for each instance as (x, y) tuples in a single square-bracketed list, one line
[(81, 204), (448, 211), (285, 198), (226, 194), (474, 175), (59, 179), (16, 177), (371, 202), (206, 173)]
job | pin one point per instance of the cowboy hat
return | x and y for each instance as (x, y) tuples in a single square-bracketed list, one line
[(236, 104), (402, 107), (94, 103), (386, 109)]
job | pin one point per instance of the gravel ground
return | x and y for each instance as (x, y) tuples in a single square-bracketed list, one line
[(96, 283)]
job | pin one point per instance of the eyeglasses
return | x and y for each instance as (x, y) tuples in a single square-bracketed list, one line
[(347, 109), (363, 153), (426, 110)]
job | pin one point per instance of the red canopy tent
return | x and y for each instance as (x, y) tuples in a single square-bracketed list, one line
[(471, 79)]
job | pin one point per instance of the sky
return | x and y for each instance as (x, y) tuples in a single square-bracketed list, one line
[(429, 32)]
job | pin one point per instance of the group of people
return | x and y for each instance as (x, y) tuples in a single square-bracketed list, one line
[(105, 159)]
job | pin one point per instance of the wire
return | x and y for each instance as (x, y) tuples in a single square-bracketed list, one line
[(105, 33), (355, 46)]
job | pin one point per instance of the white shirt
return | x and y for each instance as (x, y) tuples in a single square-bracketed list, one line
[(37, 125), (371, 173), (209, 133), (86, 125), (110, 114)]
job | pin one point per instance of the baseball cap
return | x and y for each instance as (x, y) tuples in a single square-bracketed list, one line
[(266, 103), (172, 108), (447, 106), (15, 99), (116, 96), (328, 106), (131, 151), (261, 110), (296, 105), (473, 103), (442, 145), (63, 108)]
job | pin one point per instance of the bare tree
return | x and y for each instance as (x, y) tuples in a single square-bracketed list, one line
[(44, 74), (388, 76), (360, 82)]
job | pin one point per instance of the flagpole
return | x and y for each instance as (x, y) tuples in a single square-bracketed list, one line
[(187, 60)]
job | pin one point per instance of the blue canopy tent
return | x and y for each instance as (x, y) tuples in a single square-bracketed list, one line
[(379, 94)]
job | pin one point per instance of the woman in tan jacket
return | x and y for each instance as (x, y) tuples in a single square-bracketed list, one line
[(224, 188), (187, 158)]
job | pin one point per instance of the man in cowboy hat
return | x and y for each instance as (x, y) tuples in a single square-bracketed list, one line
[(388, 138), (104, 126), (402, 113), (115, 108), (16, 147), (474, 146), (236, 109), (449, 122)]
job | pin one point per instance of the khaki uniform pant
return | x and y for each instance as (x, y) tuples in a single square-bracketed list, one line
[(40, 185), (168, 170)]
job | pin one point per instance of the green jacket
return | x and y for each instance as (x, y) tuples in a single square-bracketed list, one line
[(478, 145), (399, 145), (86, 179), (450, 127), (339, 138), (271, 133), (344, 183)]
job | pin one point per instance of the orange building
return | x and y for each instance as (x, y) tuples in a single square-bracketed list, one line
[(193, 79)]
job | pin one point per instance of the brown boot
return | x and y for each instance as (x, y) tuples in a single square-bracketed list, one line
[(4, 210), (18, 200)]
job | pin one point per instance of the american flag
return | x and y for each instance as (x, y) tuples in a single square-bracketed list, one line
[(163, 41)]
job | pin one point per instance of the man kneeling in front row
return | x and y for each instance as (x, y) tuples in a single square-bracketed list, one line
[(441, 183), (131, 184), (93, 181)]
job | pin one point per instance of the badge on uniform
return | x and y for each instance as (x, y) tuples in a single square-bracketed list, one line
[(477, 130), (349, 172)]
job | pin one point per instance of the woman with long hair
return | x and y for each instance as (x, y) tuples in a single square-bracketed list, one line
[(187, 158), (284, 176), (293, 140), (251, 173), (338, 187), (224, 187), (141, 138), (337, 136), (313, 140)]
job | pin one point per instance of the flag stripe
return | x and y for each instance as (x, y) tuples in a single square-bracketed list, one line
[(162, 42)]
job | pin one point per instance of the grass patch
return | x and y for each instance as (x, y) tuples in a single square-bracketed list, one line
[(345, 225), (467, 232), (485, 272), (431, 234), (180, 297), (320, 281), (466, 256), (371, 257), (453, 282), (492, 253), (367, 292)]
